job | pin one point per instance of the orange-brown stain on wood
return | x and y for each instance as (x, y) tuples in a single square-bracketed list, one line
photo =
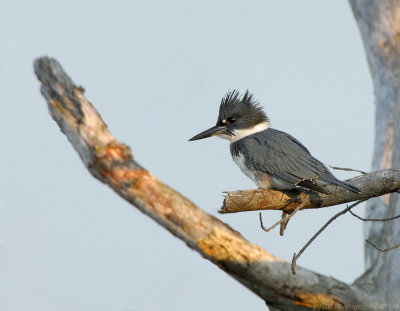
[(222, 246), (215, 250), (113, 151), (57, 108), (382, 43), (318, 301), (113, 161)]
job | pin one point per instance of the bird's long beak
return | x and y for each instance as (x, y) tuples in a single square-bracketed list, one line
[(215, 130)]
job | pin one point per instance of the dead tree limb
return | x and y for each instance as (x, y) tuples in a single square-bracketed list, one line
[(112, 163), (379, 24), (301, 251), (383, 250), (372, 185)]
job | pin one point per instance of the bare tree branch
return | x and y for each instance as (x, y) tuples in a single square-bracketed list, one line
[(374, 219), (372, 185), (297, 255), (383, 250), (112, 163), (347, 169), (285, 217)]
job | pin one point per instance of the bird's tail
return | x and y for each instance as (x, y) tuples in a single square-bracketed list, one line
[(346, 186)]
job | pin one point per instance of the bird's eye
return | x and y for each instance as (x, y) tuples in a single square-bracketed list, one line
[(232, 120)]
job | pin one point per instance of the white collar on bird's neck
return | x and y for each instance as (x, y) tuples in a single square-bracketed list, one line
[(242, 133)]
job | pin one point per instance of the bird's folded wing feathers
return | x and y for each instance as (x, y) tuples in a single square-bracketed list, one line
[(283, 156)]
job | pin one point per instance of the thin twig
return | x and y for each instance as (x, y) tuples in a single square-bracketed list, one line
[(285, 219), (347, 169), (284, 224), (296, 256), (383, 250), (374, 219)]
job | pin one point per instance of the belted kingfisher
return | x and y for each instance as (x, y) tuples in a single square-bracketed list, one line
[(271, 158)]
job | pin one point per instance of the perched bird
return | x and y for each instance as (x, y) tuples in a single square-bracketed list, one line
[(271, 158)]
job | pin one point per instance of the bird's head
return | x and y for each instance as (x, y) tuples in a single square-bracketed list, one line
[(239, 116)]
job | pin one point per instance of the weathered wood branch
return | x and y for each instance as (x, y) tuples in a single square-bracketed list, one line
[(379, 24), (112, 163), (372, 185)]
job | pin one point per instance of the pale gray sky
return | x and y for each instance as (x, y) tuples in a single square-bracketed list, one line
[(156, 71)]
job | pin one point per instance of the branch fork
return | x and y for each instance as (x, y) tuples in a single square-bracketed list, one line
[(112, 163)]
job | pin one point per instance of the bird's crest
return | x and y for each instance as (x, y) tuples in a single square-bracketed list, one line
[(235, 104)]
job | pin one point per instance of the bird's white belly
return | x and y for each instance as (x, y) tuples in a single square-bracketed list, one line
[(241, 162), (261, 179)]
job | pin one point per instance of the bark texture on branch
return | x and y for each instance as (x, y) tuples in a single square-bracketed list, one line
[(379, 24), (112, 163), (372, 185)]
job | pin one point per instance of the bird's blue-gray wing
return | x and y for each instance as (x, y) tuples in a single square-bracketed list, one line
[(282, 156)]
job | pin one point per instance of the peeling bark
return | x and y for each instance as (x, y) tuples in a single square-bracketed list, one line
[(112, 163)]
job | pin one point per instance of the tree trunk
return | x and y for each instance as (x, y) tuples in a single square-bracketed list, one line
[(379, 23)]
